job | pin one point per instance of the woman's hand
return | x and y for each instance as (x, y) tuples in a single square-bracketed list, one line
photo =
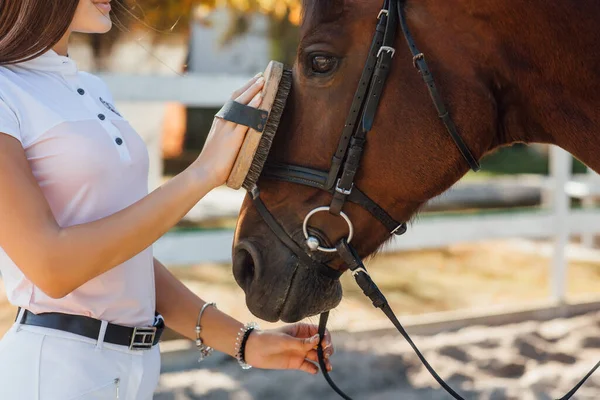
[(225, 138), (290, 347)]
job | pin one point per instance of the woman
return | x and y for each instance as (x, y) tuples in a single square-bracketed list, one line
[(78, 223)]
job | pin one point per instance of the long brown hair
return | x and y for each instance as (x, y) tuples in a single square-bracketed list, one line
[(31, 27)]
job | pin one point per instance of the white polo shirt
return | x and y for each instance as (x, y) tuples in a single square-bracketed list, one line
[(89, 163)]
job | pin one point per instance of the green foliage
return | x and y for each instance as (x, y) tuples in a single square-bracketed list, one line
[(518, 159)]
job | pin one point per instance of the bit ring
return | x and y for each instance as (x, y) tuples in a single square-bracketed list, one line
[(324, 209)]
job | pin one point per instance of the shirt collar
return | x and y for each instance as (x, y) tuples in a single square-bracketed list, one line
[(52, 62)]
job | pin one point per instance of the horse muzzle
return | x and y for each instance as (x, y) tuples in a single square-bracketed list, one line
[(277, 284)]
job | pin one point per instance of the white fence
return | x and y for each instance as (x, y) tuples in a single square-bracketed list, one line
[(556, 220)]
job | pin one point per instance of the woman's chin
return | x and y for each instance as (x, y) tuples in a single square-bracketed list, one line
[(98, 27), (103, 25)]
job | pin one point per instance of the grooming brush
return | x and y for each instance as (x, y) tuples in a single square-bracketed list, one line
[(254, 151)]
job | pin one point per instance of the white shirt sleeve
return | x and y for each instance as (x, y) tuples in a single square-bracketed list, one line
[(9, 123)]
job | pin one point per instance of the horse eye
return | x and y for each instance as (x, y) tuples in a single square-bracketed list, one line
[(323, 64)]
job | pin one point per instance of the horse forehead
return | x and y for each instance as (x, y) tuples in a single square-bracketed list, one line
[(333, 15), (317, 12)]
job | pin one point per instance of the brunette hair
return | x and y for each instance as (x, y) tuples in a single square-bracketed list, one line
[(29, 28)]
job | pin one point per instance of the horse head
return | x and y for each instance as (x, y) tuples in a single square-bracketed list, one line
[(409, 157)]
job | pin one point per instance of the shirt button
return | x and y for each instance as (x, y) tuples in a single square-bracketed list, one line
[(119, 141), (81, 91), (102, 117)]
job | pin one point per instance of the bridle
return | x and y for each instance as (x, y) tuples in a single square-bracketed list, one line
[(339, 180)]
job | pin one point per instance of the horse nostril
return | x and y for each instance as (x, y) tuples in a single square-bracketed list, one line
[(245, 263), (243, 268)]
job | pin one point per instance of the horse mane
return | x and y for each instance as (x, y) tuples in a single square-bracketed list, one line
[(321, 11)]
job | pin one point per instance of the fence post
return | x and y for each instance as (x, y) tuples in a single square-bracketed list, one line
[(560, 171), (592, 179)]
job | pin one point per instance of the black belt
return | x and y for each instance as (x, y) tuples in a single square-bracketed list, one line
[(142, 338)]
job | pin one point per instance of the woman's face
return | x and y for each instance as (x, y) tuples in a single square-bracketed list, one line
[(92, 16)]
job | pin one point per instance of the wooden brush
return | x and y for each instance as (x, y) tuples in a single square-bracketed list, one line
[(254, 151)]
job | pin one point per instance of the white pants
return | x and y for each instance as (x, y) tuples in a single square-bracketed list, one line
[(46, 364)]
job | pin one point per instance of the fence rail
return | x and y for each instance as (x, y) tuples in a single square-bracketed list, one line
[(192, 90)]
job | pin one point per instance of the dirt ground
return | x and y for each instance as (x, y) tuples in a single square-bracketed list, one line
[(525, 361)]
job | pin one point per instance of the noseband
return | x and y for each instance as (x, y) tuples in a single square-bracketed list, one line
[(339, 180)]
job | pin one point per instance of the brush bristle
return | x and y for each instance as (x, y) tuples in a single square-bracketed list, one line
[(266, 141)]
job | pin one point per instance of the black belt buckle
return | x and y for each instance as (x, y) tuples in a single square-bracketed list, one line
[(143, 338)]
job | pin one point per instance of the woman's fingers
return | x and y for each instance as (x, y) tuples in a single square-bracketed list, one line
[(327, 351), (309, 367), (314, 357), (242, 129), (251, 92), (255, 102), (306, 330), (327, 343), (308, 344), (248, 84)]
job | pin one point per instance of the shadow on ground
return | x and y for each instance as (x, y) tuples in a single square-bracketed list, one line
[(531, 360)]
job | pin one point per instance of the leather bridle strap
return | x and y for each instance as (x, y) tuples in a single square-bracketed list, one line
[(321, 357), (288, 241), (358, 123), (354, 115), (421, 65), (317, 179), (360, 198), (581, 382), (385, 53), (370, 289)]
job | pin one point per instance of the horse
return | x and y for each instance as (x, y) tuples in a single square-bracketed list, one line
[(508, 72)]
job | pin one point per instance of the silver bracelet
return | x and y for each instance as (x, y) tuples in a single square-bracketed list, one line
[(240, 343), (205, 351)]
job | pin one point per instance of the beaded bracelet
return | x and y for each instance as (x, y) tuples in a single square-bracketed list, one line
[(240, 343), (205, 351)]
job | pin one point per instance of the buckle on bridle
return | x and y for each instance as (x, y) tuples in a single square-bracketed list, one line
[(359, 270), (383, 12), (345, 192), (147, 336), (416, 58), (387, 49), (398, 228)]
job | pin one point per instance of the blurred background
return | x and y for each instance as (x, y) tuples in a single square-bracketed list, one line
[(499, 278)]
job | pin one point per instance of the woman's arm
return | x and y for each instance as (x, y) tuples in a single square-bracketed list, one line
[(58, 260), (180, 307), (286, 348)]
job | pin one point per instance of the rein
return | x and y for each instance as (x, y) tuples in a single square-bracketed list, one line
[(339, 180), (370, 289)]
